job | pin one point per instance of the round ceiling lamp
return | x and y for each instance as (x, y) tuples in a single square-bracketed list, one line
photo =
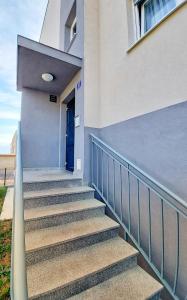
[(47, 77)]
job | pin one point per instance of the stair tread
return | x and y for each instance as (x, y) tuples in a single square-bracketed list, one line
[(57, 191), (63, 208), (53, 235), (63, 270), (52, 177), (132, 284)]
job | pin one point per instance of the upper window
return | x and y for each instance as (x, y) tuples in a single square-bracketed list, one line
[(70, 27), (150, 12)]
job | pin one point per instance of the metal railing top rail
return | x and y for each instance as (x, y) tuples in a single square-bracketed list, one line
[(18, 268), (163, 191)]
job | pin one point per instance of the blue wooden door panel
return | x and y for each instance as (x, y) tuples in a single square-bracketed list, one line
[(70, 135)]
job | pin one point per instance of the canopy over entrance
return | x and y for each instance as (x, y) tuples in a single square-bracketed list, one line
[(35, 59)]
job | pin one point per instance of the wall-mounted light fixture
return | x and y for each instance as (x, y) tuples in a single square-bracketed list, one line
[(47, 77)]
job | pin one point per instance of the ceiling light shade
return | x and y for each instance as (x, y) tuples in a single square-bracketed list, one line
[(47, 77)]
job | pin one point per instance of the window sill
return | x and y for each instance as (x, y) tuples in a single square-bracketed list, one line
[(154, 27), (71, 43)]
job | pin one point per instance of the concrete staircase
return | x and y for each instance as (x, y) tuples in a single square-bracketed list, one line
[(73, 250)]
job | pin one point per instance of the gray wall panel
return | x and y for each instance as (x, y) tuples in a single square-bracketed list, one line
[(40, 130), (157, 143)]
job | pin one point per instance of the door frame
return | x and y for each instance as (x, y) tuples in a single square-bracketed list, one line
[(70, 136)]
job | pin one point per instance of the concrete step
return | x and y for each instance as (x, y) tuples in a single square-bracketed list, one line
[(47, 243), (56, 196), (69, 274), (54, 215), (133, 284), (51, 183)]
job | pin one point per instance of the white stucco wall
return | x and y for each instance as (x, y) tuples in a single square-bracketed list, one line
[(50, 34), (91, 63), (125, 85)]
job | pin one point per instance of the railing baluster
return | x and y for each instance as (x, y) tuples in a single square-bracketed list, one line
[(149, 203), (177, 256), (107, 178), (138, 183), (97, 167), (102, 171), (129, 199), (162, 228), (114, 187), (121, 191), (92, 158)]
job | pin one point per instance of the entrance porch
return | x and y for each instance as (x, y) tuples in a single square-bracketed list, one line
[(50, 104)]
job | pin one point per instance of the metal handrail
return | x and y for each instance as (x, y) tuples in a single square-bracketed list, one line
[(18, 267), (145, 176), (107, 177)]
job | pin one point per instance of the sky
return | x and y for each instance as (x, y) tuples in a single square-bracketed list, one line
[(24, 17)]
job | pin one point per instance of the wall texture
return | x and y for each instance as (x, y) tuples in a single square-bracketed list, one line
[(40, 120), (50, 34), (149, 77)]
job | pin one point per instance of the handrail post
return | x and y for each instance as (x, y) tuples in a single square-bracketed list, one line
[(5, 177), (18, 267)]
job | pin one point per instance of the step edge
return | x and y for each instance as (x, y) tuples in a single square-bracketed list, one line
[(52, 180), (84, 277), (66, 213), (73, 239), (59, 194)]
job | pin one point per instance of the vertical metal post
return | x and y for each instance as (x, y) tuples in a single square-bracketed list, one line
[(5, 177), (129, 199), (107, 178), (138, 183), (97, 167), (149, 204), (121, 192), (92, 172), (177, 254), (162, 228), (114, 187), (102, 184)]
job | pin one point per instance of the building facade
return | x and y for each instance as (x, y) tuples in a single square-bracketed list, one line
[(131, 88), (117, 69)]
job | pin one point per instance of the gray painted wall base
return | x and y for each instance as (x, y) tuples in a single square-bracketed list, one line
[(156, 142)]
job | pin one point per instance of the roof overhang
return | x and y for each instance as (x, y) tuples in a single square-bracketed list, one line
[(34, 59)]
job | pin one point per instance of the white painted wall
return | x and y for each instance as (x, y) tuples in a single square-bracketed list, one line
[(91, 63), (125, 85), (50, 34)]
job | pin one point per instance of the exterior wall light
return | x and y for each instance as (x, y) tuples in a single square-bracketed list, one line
[(47, 77)]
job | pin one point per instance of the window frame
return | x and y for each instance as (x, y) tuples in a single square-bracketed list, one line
[(140, 17), (72, 34)]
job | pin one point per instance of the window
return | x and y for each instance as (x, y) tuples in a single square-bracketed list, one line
[(70, 27), (73, 29), (150, 12)]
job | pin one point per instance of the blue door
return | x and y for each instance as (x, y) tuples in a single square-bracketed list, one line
[(70, 135)]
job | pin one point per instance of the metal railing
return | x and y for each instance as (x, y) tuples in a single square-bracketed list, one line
[(18, 268), (152, 216)]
